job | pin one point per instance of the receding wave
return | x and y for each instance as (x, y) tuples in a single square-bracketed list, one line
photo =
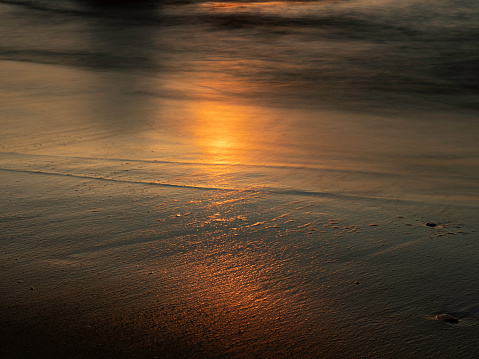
[(374, 58), (115, 180), (210, 164), (253, 189), (202, 188)]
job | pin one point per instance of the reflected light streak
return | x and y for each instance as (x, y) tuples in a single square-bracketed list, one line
[(222, 134), (237, 299), (226, 126), (222, 131)]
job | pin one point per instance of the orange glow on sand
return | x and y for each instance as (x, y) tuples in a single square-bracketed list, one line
[(230, 299)]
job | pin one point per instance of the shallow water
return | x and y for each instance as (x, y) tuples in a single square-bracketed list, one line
[(381, 95), (238, 179)]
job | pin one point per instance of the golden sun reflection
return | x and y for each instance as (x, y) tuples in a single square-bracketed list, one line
[(216, 125), (223, 132)]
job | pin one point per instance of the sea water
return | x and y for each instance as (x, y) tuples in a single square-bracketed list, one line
[(365, 98)]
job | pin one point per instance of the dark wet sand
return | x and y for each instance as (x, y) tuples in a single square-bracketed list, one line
[(95, 270)]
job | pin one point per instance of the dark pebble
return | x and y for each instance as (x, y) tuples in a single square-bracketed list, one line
[(431, 224), (447, 318)]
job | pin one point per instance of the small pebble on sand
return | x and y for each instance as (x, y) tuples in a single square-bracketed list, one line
[(431, 224), (447, 318)]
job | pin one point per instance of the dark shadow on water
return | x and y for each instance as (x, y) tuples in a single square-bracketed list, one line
[(130, 4), (122, 46)]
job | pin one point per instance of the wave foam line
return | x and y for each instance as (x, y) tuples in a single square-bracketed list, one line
[(266, 190), (208, 164), (269, 190), (118, 180)]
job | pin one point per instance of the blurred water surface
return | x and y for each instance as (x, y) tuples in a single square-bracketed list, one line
[(367, 87)]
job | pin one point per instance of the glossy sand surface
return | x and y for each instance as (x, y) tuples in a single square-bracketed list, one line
[(238, 180)]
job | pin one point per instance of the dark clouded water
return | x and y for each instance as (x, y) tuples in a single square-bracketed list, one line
[(347, 54)]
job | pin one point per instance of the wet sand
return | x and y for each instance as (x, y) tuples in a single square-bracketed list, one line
[(104, 269)]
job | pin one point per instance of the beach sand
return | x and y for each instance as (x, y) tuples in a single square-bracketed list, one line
[(104, 269)]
